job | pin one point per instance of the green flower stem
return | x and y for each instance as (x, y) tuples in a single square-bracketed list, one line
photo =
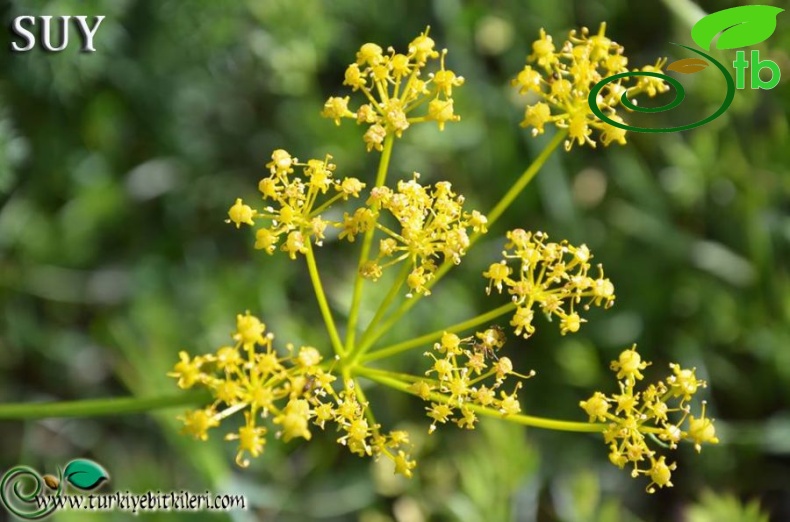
[(526, 420), (394, 349), (686, 10), (366, 405), (405, 377), (328, 203), (337, 344), (353, 315), (523, 181), (492, 216), (383, 307), (102, 407)]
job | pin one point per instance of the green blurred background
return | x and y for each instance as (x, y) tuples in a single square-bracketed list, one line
[(117, 169)]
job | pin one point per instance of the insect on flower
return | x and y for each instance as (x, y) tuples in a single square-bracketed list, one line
[(489, 341)]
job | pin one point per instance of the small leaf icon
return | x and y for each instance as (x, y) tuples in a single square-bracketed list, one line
[(742, 26), (688, 65), (85, 474), (51, 481)]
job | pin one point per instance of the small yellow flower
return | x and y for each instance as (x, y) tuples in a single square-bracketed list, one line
[(536, 116), (441, 111), (228, 391), (351, 187), (251, 440), (228, 358), (684, 383), (354, 78), (295, 244), (421, 389), (596, 406), (450, 343), (543, 51), (240, 213), (417, 280), (422, 48), (439, 412), (445, 81), (403, 465), (370, 54), (485, 396), (629, 364), (701, 430), (337, 108), (308, 356), (371, 270), (266, 240), (497, 273), (187, 370), (294, 420), (467, 420), (509, 404), (522, 322), (374, 137), (660, 474), (323, 413), (249, 330), (281, 163), (198, 422), (571, 323), (528, 80)]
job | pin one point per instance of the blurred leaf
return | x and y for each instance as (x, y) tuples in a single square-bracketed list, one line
[(716, 507)]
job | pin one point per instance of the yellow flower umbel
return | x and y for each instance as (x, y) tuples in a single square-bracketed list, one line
[(293, 210), (433, 227), (287, 393), (658, 410), (562, 78), (460, 374), (552, 275), (394, 86)]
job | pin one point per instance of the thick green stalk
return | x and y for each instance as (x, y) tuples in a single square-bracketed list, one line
[(423, 340), (337, 344), (523, 180), (98, 407), (526, 420), (356, 299), (397, 284)]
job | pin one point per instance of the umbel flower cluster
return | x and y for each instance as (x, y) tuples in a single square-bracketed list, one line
[(431, 223), (552, 275), (661, 409), (394, 87), (562, 78), (284, 392), (293, 211), (460, 372), (289, 393)]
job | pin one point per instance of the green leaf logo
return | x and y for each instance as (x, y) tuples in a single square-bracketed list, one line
[(85, 474), (741, 26)]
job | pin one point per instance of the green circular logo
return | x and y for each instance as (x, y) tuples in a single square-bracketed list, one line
[(680, 95)]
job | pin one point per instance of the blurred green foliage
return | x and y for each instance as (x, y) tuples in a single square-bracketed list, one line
[(117, 169)]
